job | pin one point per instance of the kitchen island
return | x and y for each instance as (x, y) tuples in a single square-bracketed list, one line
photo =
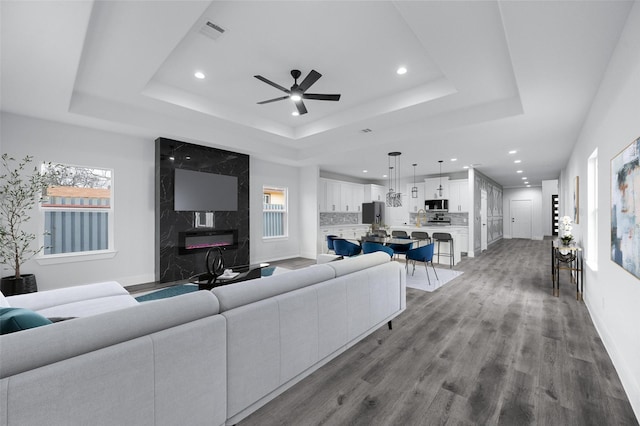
[(459, 233)]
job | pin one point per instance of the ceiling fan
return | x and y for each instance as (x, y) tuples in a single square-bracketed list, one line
[(297, 91)]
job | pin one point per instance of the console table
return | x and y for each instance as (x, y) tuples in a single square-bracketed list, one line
[(567, 258)]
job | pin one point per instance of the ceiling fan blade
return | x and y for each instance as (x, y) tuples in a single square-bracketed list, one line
[(321, 97), (301, 108), (271, 83), (309, 80), (273, 100)]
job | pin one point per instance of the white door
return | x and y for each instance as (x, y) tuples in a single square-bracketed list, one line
[(484, 231), (521, 219)]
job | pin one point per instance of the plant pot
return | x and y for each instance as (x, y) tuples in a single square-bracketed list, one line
[(12, 285)]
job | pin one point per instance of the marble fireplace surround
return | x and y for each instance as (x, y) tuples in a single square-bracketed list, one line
[(171, 265)]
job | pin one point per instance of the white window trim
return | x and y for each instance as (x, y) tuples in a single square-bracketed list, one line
[(80, 256), (51, 259), (286, 214)]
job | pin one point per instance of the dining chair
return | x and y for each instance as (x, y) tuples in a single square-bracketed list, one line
[(399, 249), (345, 248), (370, 247), (330, 239), (444, 237), (421, 254), (402, 234)]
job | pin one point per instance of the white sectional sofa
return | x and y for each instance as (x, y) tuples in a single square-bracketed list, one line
[(202, 358)]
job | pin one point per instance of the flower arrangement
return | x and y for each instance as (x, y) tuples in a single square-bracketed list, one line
[(565, 230)]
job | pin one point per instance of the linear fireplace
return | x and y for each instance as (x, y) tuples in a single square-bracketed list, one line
[(204, 239)]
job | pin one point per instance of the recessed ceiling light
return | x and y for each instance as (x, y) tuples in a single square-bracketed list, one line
[(512, 151), (528, 186), (526, 182), (401, 71), (517, 161), (519, 171), (365, 171), (172, 158), (524, 178), (295, 113), (187, 158), (454, 159), (384, 175), (199, 75), (465, 167)]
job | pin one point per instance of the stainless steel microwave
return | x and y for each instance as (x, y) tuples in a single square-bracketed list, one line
[(436, 205)]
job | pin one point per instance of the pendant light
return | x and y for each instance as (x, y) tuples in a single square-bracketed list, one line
[(414, 189), (394, 199), (440, 186)]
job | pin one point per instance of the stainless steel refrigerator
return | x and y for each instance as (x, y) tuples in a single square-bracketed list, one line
[(373, 213)]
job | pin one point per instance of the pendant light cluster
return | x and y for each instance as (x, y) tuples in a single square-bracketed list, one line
[(414, 189), (394, 199)]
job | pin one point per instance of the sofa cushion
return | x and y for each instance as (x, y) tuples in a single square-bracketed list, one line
[(245, 292), (23, 351), (41, 300), (18, 319), (358, 263)]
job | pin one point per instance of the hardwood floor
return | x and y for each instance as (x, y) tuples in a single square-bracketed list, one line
[(493, 347)]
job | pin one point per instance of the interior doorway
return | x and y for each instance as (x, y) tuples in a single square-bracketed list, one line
[(521, 219), (555, 215), (484, 228)]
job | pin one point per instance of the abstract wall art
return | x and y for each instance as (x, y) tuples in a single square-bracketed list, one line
[(625, 208)]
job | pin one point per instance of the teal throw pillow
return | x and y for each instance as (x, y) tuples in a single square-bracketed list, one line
[(17, 319)]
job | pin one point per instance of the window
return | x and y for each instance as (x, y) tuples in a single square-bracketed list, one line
[(78, 210), (592, 210), (274, 212)]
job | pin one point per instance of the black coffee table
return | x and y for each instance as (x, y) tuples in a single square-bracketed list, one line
[(246, 272)]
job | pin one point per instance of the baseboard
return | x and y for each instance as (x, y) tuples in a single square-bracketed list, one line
[(136, 279), (629, 383)]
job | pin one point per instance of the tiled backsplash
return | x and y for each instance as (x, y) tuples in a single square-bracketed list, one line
[(329, 219), (457, 219)]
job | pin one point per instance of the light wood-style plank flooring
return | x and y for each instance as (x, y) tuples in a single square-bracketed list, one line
[(493, 347)]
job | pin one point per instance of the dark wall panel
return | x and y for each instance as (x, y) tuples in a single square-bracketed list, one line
[(170, 264)]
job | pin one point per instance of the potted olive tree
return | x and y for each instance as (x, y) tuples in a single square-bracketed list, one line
[(20, 190)]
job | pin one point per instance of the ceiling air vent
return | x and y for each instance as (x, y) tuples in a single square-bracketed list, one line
[(211, 30), (366, 130)]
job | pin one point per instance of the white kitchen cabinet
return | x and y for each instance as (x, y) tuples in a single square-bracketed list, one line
[(374, 193), (431, 188), (351, 196), (415, 204), (459, 195), (334, 196), (338, 196)]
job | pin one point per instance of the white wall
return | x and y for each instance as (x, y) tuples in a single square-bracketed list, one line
[(611, 294), (132, 160), (309, 211), (533, 194), (270, 174)]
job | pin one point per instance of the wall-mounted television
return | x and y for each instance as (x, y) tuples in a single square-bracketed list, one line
[(201, 192)]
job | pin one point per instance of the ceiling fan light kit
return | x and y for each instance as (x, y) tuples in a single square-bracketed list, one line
[(298, 91)]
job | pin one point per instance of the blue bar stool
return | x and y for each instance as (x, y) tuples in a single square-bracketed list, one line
[(443, 237)]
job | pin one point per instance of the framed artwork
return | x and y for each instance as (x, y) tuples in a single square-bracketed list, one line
[(576, 201), (625, 208)]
